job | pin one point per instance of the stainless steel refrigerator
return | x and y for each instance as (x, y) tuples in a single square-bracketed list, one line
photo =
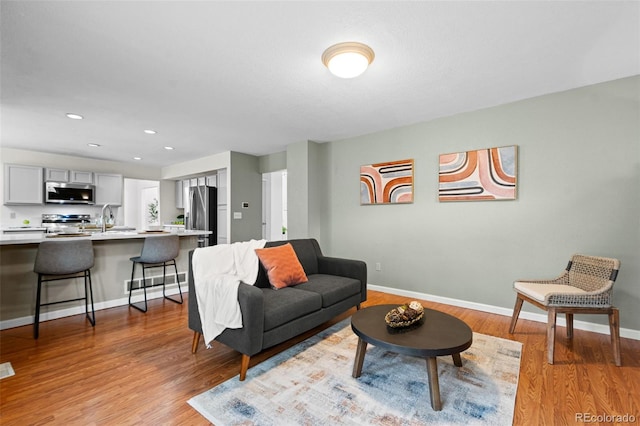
[(200, 213)]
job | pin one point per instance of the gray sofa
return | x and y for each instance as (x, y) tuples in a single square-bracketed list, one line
[(270, 317)]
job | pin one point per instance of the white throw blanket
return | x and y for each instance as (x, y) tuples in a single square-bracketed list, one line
[(217, 272)]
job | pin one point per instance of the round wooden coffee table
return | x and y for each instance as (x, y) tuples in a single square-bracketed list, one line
[(437, 334)]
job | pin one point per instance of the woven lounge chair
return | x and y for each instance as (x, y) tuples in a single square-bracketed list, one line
[(585, 287)]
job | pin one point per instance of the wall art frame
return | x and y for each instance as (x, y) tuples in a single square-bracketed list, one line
[(480, 175), (391, 182)]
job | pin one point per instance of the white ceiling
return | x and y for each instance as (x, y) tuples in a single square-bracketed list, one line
[(247, 76)]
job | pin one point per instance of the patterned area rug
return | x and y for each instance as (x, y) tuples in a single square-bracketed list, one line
[(311, 383), (6, 370)]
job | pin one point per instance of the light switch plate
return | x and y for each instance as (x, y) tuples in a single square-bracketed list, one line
[(237, 215)]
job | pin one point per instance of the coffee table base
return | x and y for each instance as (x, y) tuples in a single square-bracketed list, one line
[(432, 372)]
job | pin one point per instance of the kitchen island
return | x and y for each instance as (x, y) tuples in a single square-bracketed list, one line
[(110, 274)]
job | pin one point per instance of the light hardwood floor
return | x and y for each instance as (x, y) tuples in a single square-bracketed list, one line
[(135, 368)]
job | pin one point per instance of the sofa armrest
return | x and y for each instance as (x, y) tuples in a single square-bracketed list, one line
[(248, 339), (349, 268)]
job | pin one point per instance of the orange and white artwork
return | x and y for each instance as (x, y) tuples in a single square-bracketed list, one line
[(387, 183), (485, 174)]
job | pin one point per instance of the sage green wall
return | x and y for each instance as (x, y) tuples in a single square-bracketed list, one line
[(307, 192), (273, 162), (578, 180), (298, 190), (246, 185)]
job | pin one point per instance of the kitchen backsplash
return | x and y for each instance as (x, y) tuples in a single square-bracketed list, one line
[(17, 215)]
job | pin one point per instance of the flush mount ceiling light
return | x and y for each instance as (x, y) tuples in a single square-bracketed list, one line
[(137, 158), (168, 148), (74, 116), (348, 60), (93, 145), (150, 132)]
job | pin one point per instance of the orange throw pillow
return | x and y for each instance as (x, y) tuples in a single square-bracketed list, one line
[(282, 265)]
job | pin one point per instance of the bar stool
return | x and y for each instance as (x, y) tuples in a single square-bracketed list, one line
[(157, 251), (60, 260)]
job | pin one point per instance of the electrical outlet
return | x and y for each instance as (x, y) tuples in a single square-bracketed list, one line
[(378, 266), (12, 215)]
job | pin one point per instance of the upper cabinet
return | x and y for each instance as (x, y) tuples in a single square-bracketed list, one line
[(71, 176), (81, 177), (23, 184), (56, 175), (179, 195), (109, 189)]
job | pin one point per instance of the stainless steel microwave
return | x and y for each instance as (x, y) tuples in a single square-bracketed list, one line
[(69, 193)]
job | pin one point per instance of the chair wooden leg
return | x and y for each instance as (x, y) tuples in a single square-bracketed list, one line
[(614, 326), (196, 341), (516, 313), (551, 334), (244, 366), (569, 318)]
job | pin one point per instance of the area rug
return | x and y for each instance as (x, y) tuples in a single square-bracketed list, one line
[(6, 370), (310, 384)]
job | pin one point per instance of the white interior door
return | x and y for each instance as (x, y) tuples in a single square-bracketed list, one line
[(274, 205)]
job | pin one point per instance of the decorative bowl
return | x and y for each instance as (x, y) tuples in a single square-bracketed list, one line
[(404, 315)]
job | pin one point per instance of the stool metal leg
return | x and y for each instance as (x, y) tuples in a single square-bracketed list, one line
[(89, 293), (164, 277), (144, 288), (36, 322), (88, 299)]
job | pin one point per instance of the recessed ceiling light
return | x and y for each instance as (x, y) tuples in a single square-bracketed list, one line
[(150, 132), (137, 158), (348, 60), (169, 148), (74, 116), (93, 145)]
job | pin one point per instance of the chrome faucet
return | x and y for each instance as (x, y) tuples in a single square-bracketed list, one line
[(104, 219)]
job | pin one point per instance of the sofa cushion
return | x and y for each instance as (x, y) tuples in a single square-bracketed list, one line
[(305, 250), (282, 266), (287, 304), (331, 288)]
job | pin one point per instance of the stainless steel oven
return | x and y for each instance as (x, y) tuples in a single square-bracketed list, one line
[(56, 222)]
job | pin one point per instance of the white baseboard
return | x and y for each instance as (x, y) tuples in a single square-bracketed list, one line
[(77, 310), (580, 325)]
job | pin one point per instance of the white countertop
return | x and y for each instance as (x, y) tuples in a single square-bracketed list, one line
[(23, 229), (36, 238)]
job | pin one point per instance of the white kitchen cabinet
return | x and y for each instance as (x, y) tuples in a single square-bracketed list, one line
[(109, 188), (81, 177), (179, 195), (64, 175), (23, 184), (223, 211), (56, 175), (186, 184)]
